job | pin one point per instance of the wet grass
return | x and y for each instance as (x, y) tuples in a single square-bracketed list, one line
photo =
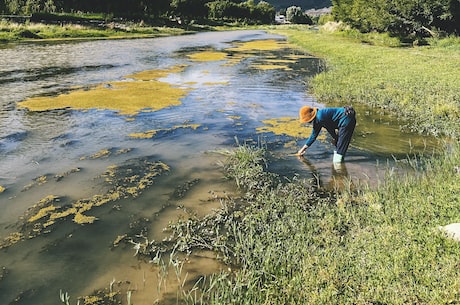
[(294, 243)]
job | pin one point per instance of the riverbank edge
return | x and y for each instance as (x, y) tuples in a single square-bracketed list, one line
[(39, 32)]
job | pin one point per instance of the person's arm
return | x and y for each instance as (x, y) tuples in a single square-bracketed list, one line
[(302, 151), (314, 134)]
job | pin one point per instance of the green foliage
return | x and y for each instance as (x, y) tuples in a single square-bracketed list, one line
[(323, 19), (185, 11), (247, 11), (189, 9), (400, 17), (13, 31), (294, 14)]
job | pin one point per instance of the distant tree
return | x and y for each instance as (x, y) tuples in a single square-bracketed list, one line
[(49, 6), (188, 10), (2, 7), (294, 14), (220, 9), (14, 6), (157, 8), (264, 12)]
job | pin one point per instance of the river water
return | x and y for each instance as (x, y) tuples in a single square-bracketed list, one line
[(231, 86)]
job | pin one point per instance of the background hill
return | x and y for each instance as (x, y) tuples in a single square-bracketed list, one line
[(304, 4)]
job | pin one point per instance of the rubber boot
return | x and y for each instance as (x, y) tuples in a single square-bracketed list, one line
[(337, 158)]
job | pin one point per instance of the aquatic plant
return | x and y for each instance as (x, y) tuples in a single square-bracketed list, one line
[(124, 181), (106, 296), (144, 93), (260, 45), (208, 56), (151, 133)]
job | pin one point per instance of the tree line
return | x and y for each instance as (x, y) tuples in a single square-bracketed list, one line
[(185, 10), (404, 18)]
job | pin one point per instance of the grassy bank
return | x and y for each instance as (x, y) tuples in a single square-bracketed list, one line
[(10, 31), (417, 83), (296, 244)]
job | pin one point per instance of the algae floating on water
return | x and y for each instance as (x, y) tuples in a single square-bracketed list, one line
[(143, 93), (208, 56), (151, 133), (284, 126), (260, 45), (125, 181)]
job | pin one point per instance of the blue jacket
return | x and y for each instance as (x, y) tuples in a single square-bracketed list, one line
[(331, 119)]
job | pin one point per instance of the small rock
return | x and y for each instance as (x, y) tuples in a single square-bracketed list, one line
[(452, 230)]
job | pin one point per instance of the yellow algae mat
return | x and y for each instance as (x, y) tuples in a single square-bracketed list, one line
[(140, 92)]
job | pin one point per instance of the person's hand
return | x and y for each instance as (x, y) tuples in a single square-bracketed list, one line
[(302, 151)]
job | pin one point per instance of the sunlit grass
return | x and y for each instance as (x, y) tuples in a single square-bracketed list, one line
[(294, 244), (10, 31), (417, 83)]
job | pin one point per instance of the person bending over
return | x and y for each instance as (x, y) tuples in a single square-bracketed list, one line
[(339, 122)]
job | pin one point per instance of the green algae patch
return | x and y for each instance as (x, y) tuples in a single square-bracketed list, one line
[(103, 153), (282, 61), (142, 94), (271, 67), (215, 83), (148, 75), (128, 180), (260, 45), (151, 133), (208, 56), (287, 126)]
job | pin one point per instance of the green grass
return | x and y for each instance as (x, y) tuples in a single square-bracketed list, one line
[(418, 83), (37, 31), (294, 244)]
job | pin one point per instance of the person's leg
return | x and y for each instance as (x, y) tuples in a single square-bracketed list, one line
[(345, 135)]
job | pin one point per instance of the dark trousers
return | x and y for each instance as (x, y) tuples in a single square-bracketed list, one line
[(344, 136)]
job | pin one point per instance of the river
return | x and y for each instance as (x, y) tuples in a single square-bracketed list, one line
[(102, 138)]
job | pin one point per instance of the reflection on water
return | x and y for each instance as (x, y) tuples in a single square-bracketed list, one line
[(233, 87)]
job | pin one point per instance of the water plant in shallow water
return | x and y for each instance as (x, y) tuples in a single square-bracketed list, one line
[(142, 94), (151, 133), (124, 181), (208, 56)]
